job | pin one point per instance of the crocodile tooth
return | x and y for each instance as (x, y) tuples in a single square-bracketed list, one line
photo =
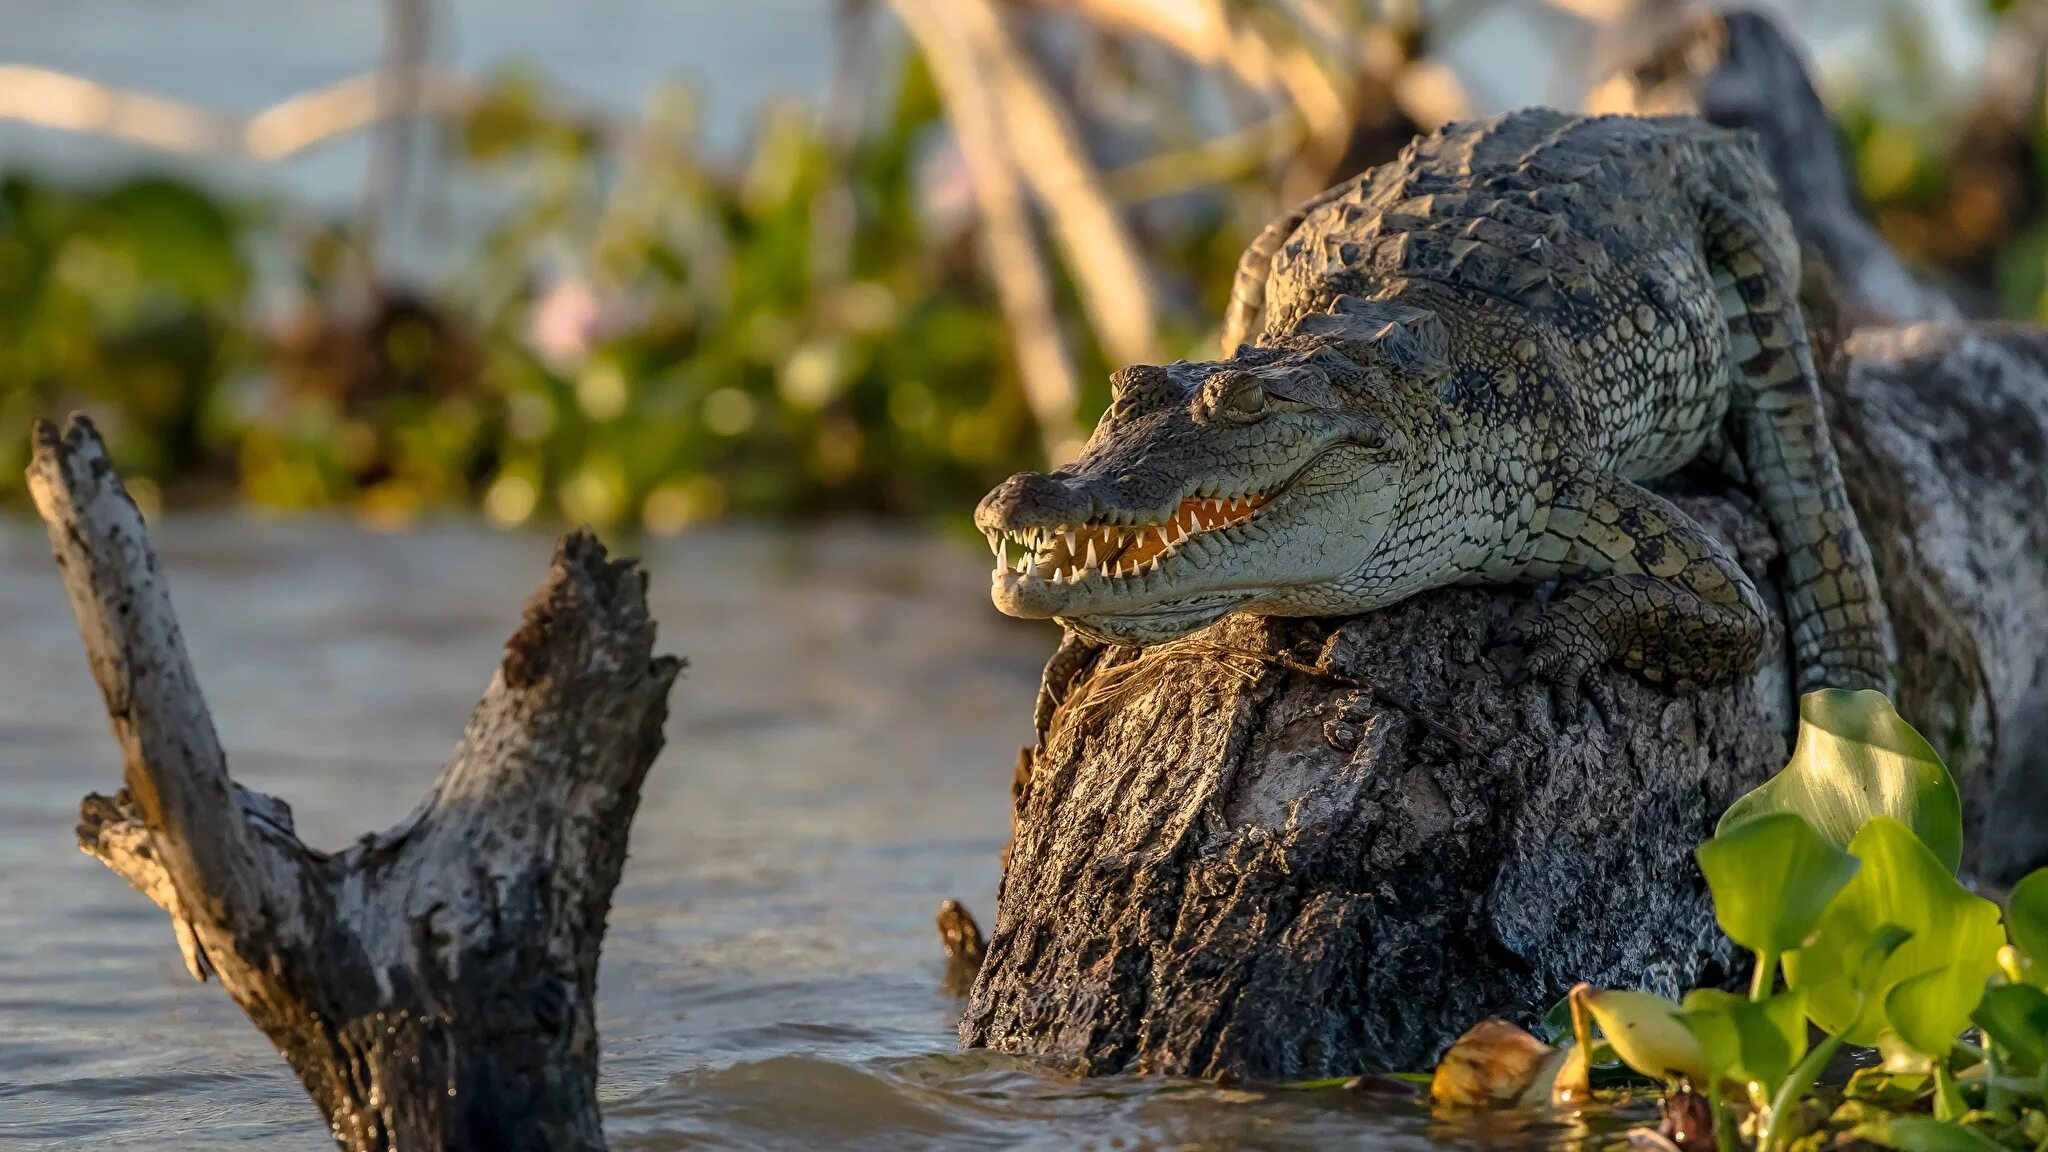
[(1070, 540), (1155, 563), (1002, 548), (1091, 551)]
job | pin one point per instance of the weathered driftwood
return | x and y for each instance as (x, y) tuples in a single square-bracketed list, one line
[(1307, 848), (431, 986)]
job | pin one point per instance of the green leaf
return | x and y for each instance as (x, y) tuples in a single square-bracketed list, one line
[(1924, 1134), (1901, 886), (2026, 916), (1856, 759), (1748, 1041), (1928, 1010), (2015, 1016), (1650, 1035), (1771, 877)]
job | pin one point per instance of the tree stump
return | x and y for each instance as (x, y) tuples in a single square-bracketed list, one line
[(431, 986)]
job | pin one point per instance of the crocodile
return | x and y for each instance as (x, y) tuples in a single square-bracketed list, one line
[(1460, 367)]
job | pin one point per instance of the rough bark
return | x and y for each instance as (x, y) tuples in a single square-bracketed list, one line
[(431, 986), (1305, 848)]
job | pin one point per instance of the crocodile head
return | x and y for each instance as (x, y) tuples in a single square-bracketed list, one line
[(1264, 484)]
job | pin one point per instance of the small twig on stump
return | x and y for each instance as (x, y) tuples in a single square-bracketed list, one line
[(431, 986)]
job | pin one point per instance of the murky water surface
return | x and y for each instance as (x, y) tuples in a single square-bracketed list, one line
[(838, 762)]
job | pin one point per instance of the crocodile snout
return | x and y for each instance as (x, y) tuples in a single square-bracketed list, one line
[(1046, 499), (1033, 498)]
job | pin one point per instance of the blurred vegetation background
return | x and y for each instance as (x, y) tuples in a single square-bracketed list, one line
[(884, 301)]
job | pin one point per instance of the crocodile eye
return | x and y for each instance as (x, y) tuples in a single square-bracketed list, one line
[(1245, 401)]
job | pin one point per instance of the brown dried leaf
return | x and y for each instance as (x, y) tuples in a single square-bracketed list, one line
[(1491, 1065)]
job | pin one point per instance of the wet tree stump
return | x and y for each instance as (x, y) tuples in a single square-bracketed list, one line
[(431, 986), (1285, 849)]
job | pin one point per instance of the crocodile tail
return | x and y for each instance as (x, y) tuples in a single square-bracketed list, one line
[(1245, 320)]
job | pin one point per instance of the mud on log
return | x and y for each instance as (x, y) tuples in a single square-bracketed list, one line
[(1296, 848), (431, 986)]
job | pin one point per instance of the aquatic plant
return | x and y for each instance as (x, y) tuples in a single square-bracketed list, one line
[(1839, 876)]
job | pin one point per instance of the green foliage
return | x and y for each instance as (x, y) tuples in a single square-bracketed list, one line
[(1923, 1134), (803, 328), (2026, 913), (1844, 865), (1928, 987), (1771, 877), (1856, 758), (126, 300), (1748, 1041), (640, 334), (2015, 1017)]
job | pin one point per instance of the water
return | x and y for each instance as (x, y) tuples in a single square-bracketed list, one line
[(838, 762)]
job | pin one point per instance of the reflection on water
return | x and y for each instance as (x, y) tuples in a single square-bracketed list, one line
[(838, 762)]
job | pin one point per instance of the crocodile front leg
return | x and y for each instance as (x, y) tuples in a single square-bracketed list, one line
[(1839, 630), (1665, 600)]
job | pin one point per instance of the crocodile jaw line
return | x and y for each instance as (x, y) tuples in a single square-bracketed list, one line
[(1093, 562)]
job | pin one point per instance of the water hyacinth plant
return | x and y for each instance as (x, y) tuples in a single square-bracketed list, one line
[(1839, 875)]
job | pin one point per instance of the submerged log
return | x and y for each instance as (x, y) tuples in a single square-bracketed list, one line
[(432, 985), (1307, 848)]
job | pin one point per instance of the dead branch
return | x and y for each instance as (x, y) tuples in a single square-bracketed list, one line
[(1009, 247), (431, 986)]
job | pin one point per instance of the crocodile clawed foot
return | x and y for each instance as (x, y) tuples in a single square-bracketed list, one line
[(1601, 693), (1558, 657), (1558, 663)]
